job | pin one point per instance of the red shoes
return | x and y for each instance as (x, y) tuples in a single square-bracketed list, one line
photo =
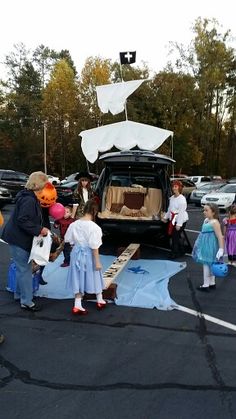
[(101, 306), (79, 312), (64, 265)]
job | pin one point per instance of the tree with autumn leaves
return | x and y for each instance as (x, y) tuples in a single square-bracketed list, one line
[(195, 97)]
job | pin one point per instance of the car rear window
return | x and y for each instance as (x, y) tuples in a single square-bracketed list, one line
[(205, 179), (228, 188), (187, 182), (134, 179), (15, 177)]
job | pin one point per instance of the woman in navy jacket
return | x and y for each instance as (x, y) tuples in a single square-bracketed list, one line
[(25, 223)]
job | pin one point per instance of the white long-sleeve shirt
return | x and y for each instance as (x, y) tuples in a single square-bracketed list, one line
[(178, 206)]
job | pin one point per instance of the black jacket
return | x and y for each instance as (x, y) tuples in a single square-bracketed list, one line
[(25, 221)]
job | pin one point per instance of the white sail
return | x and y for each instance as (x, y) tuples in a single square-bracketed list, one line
[(124, 136), (112, 97)]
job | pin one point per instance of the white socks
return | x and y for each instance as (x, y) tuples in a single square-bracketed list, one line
[(78, 304), (100, 299), (209, 279)]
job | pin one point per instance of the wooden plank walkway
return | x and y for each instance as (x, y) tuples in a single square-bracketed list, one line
[(119, 263)]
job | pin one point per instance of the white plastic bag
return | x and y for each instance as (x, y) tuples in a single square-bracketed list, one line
[(40, 250)]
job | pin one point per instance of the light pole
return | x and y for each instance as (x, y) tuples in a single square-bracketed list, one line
[(45, 145)]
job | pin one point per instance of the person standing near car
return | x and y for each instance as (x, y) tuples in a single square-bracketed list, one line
[(82, 194), (209, 246), (177, 216), (25, 223)]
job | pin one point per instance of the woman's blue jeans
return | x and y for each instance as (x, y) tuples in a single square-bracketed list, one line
[(24, 288)]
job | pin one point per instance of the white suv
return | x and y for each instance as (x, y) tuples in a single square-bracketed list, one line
[(200, 179)]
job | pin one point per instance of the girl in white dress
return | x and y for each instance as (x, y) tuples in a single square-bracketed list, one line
[(85, 273)]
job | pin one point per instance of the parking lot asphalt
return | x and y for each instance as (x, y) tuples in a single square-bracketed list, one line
[(122, 362)]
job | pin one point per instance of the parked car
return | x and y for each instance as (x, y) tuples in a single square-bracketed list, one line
[(206, 188), (54, 180), (65, 192), (178, 175), (12, 180), (200, 179), (232, 180), (5, 197), (72, 177), (222, 198), (188, 187), (133, 189)]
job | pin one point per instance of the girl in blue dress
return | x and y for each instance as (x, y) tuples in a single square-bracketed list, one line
[(209, 245), (85, 270)]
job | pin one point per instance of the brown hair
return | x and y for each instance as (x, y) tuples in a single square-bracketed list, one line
[(214, 209), (232, 210), (80, 188), (91, 207), (69, 207)]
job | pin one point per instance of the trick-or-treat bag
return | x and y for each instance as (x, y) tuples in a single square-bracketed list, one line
[(40, 250)]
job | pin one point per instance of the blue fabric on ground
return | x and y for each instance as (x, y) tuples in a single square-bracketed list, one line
[(144, 283), (56, 277)]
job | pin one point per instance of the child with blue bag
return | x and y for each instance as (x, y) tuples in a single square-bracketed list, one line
[(209, 246)]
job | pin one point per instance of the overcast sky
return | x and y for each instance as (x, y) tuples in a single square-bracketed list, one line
[(106, 27)]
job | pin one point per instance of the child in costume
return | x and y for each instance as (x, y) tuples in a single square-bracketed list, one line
[(209, 245), (177, 216), (230, 234), (63, 224), (85, 273), (82, 194)]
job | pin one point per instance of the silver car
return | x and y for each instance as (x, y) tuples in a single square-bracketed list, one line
[(206, 188), (223, 198)]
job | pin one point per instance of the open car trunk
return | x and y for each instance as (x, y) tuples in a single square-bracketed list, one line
[(134, 190)]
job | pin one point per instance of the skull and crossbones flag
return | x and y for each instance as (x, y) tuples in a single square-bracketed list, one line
[(128, 57)]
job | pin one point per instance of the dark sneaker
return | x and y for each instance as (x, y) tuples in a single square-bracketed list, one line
[(42, 282), (34, 307), (203, 289), (64, 265)]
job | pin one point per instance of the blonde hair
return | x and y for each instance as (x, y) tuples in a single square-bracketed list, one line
[(36, 181)]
